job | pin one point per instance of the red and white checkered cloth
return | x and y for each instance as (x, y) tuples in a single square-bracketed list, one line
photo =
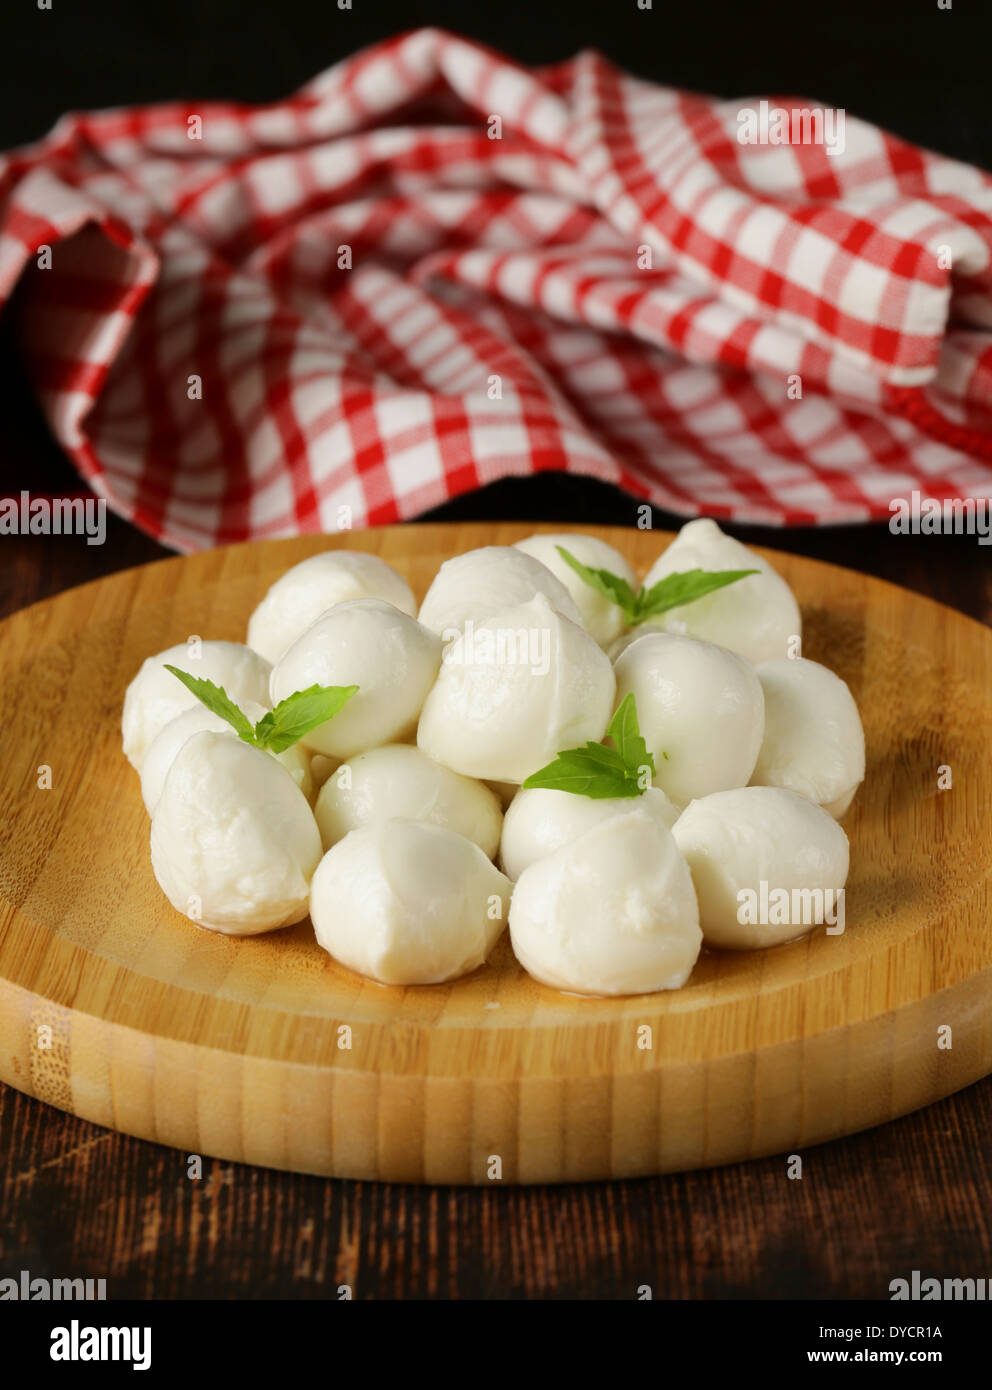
[(498, 316)]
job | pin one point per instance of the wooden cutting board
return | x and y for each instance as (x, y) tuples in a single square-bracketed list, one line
[(115, 1008)]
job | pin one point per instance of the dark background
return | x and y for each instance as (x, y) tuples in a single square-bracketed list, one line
[(913, 1194), (904, 64)]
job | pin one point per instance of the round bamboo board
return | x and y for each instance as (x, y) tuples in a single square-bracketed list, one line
[(115, 1008)]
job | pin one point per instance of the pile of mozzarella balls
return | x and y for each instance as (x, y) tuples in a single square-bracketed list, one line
[(400, 825)]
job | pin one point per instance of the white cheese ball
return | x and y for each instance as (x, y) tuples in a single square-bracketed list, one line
[(305, 592), (166, 744), (700, 710), (814, 743), (515, 690), (156, 696), (755, 617), (603, 620), (482, 582), (736, 840), (540, 820), (612, 912), (399, 780), (408, 903), (392, 659), (234, 842)]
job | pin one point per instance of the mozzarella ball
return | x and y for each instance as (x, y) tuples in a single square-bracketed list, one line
[(482, 582), (167, 743), (305, 592), (515, 690), (814, 743), (390, 657), (408, 903), (612, 912), (603, 620), (234, 842), (700, 710), (399, 780), (156, 696), (755, 617), (735, 841), (541, 820)]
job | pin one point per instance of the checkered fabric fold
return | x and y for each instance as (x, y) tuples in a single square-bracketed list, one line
[(431, 268)]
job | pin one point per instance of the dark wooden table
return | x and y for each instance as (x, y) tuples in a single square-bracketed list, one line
[(79, 1200)]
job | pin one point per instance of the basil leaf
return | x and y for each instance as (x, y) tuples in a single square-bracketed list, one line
[(610, 586), (670, 592), (596, 770), (626, 734), (683, 587), (279, 728), (572, 772), (299, 713), (216, 699)]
